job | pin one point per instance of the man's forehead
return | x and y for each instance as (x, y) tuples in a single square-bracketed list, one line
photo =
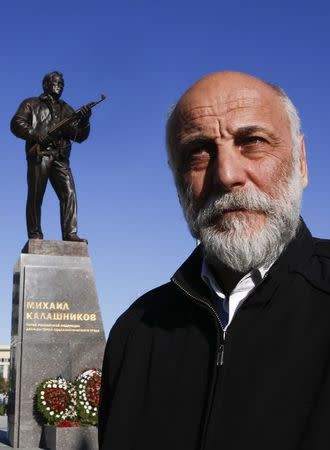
[(194, 108), (232, 104), (57, 77)]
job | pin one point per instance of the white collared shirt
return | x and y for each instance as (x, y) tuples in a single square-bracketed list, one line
[(233, 302)]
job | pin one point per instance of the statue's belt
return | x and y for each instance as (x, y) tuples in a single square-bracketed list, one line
[(53, 155), (53, 152)]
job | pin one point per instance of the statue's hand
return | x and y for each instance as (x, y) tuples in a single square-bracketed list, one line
[(85, 113)]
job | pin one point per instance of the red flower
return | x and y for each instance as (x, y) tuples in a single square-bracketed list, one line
[(57, 399), (67, 424), (93, 386)]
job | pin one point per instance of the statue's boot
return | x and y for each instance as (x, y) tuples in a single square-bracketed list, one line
[(74, 238)]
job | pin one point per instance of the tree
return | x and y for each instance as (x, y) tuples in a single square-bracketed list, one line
[(4, 385)]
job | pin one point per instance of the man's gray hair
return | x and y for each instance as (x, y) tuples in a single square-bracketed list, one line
[(294, 119)]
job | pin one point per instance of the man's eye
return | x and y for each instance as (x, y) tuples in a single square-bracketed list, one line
[(251, 140), (199, 154), (196, 159), (196, 151)]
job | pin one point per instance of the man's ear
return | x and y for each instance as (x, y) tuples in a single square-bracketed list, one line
[(303, 163)]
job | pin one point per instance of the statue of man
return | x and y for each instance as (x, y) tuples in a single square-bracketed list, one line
[(49, 160)]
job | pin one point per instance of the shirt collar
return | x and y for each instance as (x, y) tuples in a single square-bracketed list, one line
[(248, 282)]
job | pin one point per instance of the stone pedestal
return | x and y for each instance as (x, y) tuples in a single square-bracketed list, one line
[(56, 328), (74, 438)]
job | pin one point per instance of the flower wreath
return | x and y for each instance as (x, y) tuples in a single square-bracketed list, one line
[(56, 400), (88, 385)]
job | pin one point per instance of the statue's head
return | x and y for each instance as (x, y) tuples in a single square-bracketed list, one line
[(53, 84)]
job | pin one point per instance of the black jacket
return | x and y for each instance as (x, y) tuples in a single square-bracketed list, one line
[(164, 387), (37, 115)]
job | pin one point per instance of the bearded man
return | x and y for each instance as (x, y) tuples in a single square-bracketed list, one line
[(234, 352)]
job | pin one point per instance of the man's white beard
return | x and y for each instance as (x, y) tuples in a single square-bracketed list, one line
[(237, 240)]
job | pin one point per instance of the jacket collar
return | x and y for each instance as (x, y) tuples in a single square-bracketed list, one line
[(297, 255), (188, 276), (48, 98), (50, 101), (294, 258)]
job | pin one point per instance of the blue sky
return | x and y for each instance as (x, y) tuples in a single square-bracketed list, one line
[(143, 55)]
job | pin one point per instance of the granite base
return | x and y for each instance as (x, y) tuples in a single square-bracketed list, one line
[(73, 438), (56, 328)]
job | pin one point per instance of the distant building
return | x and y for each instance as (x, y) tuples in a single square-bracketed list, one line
[(4, 360)]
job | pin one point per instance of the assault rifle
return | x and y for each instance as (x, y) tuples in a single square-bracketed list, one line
[(36, 148)]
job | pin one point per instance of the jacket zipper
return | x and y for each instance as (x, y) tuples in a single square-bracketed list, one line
[(220, 351), (221, 348)]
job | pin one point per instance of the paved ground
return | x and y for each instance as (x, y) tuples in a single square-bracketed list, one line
[(3, 432), (3, 435)]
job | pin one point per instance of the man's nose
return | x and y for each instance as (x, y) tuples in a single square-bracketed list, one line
[(229, 170)]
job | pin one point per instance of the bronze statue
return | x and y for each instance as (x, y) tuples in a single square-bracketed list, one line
[(48, 125)]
